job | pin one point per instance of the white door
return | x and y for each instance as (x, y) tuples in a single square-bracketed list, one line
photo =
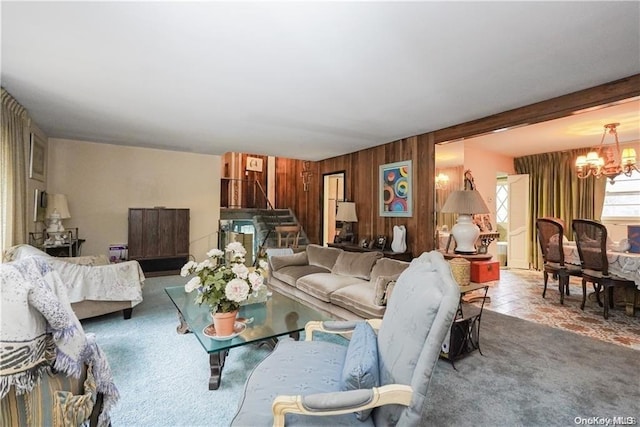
[(518, 228)]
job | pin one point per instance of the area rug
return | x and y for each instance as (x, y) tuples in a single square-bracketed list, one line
[(529, 374)]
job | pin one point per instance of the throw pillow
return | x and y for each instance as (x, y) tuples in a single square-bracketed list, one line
[(322, 256), (278, 262), (387, 294), (387, 267), (360, 370), (354, 264), (381, 288)]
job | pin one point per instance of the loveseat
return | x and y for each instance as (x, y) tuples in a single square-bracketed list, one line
[(346, 285)]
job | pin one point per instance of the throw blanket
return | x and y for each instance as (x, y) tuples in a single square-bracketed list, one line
[(39, 328)]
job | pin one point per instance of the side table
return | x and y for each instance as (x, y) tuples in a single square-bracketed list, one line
[(464, 336)]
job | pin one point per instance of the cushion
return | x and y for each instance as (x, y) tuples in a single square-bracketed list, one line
[(279, 261), (322, 285), (358, 299), (322, 256), (360, 370), (387, 267), (381, 288), (355, 264), (291, 273)]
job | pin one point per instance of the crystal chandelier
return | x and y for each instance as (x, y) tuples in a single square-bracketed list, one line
[(607, 161)]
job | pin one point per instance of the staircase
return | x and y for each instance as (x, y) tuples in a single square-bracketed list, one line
[(264, 221)]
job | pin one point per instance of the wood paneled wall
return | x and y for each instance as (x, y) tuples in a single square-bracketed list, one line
[(361, 182), (361, 167)]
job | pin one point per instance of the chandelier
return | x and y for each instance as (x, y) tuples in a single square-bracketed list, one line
[(607, 161)]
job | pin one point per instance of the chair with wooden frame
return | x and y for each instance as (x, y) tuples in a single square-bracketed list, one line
[(591, 239), (288, 235), (550, 236)]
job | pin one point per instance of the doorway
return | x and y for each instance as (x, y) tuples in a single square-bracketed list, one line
[(333, 192)]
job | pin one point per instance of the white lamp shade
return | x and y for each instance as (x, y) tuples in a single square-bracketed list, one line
[(346, 212), (58, 202)]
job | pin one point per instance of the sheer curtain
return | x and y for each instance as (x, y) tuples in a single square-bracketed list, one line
[(556, 191), (13, 173)]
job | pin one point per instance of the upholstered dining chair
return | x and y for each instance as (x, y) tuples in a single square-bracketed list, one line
[(550, 236), (591, 239), (380, 379)]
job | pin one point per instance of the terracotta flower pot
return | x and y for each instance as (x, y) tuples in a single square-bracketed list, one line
[(224, 323)]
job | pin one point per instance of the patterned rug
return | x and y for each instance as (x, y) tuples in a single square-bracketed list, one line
[(518, 293)]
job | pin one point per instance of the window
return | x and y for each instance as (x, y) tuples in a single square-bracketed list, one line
[(622, 200), (502, 197)]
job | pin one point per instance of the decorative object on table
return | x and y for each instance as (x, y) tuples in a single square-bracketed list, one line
[(399, 243), (465, 203), (57, 210), (607, 160), (469, 183), (364, 243), (380, 243), (461, 270), (395, 189), (347, 214), (224, 283), (485, 271)]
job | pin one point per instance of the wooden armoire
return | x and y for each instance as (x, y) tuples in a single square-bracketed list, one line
[(159, 239)]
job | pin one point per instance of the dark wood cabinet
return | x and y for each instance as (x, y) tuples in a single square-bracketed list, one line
[(159, 239)]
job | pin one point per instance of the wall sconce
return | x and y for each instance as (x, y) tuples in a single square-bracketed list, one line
[(441, 181), (306, 174)]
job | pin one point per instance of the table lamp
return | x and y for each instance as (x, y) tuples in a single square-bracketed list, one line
[(57, 210), (465, 203), (347, 214)]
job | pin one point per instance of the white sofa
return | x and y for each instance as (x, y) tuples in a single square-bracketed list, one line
[(94, 286)]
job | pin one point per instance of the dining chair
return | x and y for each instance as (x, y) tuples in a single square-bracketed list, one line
[(550, 237), (591, 239), (288, 235)]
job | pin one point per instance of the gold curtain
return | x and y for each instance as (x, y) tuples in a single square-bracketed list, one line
[(556, 191), (455, 174), (13, 173)]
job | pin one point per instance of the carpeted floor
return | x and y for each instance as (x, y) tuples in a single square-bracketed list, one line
[(529, 375)]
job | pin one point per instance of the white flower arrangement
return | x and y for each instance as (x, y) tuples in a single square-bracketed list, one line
[(225, 285)]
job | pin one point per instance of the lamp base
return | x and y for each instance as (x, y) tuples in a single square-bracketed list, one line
[(466, 233)]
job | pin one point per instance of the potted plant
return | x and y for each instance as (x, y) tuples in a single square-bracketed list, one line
[(224, 282)]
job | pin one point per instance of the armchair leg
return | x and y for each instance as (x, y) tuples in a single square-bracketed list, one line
[(546, 278)]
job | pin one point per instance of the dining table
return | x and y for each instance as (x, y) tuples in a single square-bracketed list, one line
[(622, 264)]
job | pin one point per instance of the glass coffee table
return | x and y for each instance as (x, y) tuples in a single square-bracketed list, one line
[(279, 315)]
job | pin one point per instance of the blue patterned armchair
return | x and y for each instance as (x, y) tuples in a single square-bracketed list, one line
[(381, 378)]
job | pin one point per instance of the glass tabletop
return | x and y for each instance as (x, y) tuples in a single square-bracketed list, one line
[(279, 315)]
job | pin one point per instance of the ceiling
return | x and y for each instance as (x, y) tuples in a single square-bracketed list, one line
[(308, 80)]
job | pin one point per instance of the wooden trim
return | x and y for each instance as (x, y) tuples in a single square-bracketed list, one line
[(550, 109)]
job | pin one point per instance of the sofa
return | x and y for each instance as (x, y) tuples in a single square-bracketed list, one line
[(345, 285), (94, 286)]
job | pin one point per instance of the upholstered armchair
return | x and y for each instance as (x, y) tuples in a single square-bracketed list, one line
[(51, 372), (380, 378)]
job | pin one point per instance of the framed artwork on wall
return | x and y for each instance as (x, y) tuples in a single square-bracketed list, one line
[(254, 164), (395, 186), (38, 158)]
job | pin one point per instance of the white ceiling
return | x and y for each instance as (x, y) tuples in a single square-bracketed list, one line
[(308, 80)]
